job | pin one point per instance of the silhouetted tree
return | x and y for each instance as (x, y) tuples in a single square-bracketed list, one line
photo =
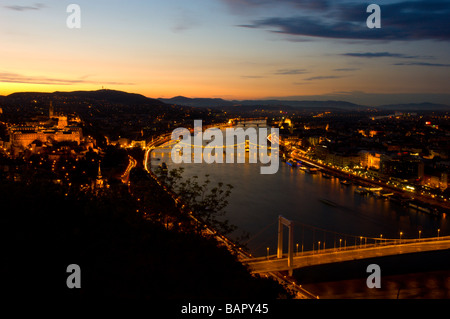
[(206, 201)]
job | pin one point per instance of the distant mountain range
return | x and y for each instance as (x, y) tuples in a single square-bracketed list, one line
[(295, 105), (125, 98), (416, 107), (220, 103)]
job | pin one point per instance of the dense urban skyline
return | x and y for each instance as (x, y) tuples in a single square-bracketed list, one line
[(230, 49)]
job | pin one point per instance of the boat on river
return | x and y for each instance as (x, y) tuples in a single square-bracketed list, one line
[(361, 191), (291, 162), (429, 209), (312, 170), (328, 202)]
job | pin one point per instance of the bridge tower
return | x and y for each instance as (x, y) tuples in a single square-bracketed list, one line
[(289, 224)]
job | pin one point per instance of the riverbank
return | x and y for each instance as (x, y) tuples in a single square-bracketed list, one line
[(441, 207)]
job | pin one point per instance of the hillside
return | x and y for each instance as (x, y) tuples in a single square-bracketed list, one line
[(198, 102), (109, 96), (104, 112), (248, 105)]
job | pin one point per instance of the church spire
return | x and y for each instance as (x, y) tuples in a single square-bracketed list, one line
[(51, 110), (99, 174), (99, 182)]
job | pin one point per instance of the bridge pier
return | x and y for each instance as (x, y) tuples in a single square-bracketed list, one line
[(285, 222)]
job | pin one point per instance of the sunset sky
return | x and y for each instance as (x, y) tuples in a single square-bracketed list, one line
[(232, 49)]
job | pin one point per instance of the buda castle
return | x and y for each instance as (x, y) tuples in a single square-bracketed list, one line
[(55, 128)]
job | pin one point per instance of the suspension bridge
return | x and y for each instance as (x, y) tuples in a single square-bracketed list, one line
[(333, 247), (169, 145), (164, 142)]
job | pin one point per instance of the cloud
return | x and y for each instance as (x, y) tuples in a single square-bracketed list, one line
[(313, 27), (291, 71), (19, 78), (37, 6), (252, 77), (401, 21), (250, 6), (184, 20), (380, 55), (346, 69), (326, 77), (424, 64)]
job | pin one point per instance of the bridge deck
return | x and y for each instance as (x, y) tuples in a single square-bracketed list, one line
[(259, 265)]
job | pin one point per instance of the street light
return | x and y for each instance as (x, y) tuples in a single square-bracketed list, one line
[(401, 233), (420, 232), (267, 252), (296, 245), (340, 242), (438, 232), (318, 250)]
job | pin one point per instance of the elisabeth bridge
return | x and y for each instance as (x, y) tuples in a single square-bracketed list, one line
[(332, 247)]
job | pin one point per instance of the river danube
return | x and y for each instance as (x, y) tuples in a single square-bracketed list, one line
[(257, 200)]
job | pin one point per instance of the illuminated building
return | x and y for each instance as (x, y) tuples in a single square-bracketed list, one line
[(370, 159), (23, 136)]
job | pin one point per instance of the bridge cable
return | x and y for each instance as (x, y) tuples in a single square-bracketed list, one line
[(260, 232)]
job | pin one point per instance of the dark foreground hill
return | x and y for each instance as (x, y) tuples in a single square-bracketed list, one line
[(121, 255)]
